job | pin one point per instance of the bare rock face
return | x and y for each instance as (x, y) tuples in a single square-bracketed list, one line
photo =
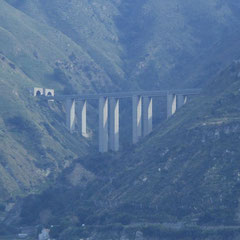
[(139, 235), (44, 235), (124, 237), (79, 176)]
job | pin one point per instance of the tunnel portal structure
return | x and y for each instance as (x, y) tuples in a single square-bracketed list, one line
[(108, 111), (42, 92)]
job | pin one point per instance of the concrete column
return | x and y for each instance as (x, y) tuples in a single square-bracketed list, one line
[(181, 100), (70, 114), (137, 118), (147, 115), (185, 99), (103, 124), (83, 117), (114, 124), (171, 104)]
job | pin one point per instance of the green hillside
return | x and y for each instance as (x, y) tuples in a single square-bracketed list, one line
[(147, 44), (182, 181), (90, 25), (33, 137)]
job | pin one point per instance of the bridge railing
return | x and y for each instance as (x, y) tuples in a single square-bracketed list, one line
[(118, 95)]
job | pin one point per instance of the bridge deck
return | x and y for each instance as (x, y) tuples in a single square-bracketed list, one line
[(125, 94)]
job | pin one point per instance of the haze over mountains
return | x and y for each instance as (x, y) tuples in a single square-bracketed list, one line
[(187, 171)]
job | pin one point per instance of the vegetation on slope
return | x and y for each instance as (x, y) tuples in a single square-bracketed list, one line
[(147, 44), (34, 142), (184, 174)]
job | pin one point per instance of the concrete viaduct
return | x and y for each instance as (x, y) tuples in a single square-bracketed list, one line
[(142, 112)]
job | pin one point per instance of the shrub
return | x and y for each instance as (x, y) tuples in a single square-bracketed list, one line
[(60, 76), (2, 207), (20, 124), (3, 159)]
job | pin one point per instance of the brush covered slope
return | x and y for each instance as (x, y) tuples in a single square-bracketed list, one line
[(92, 46), (95, 46), (34, 143), (180, 182), (147, 44)]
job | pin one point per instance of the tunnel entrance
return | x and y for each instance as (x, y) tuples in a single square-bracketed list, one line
[(38, 93)]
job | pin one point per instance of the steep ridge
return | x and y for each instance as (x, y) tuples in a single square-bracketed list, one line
[(32, 45), (182, 178), (163, 39), (89, 24), (34, 142), (146, 44)]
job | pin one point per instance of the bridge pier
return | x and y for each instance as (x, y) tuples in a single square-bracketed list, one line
[(137, 118), (70, 114), (181, 100), (114, 124), (147, 115), (83, 117), (103, 124), (171, 104)]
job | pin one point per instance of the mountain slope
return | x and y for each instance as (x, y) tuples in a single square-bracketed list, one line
[(34, 142), (181, 179), (164, 37), (148, 44), (189, 168), (90, 25)]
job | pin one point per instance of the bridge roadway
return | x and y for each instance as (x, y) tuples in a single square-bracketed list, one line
[(119, 95)]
